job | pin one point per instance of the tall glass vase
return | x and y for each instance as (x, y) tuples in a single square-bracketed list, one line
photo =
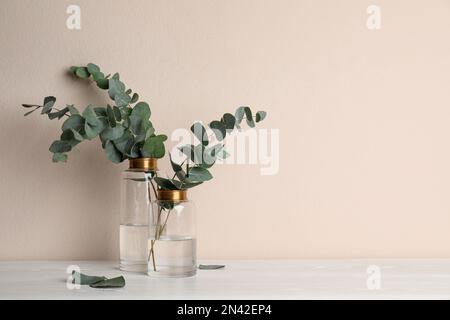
[(172, 243), (138, 190)]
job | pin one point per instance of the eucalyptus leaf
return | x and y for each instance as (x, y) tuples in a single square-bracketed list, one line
[(100, 112), (82, 72), (72, 109), (198, 174), (60, 147), (186, 183), (112, 153), (249, 117), (122, 99), (30, 105), (48, 104), (219, 129), (165, 184), (90, 131), (135, 150), (103, 83), (113, 133), (115, 87), (92, 68), (200, 133), (76, 135), (97, 75), (210, 267), (75, 122), (117, 114), (141, 110), (124, 143), (260, 116), (239, 114), (188, 150), (175, 166), (223, 154), (154, 147), (73, 69), (58, 114), (30, 112), (118, 282), (214, 150), (111, 116), (69, 137), (229, 121), (59, 157), (83, 279), (189, 185), (134, 98), (199, 150), (135, 124), (90, 116)]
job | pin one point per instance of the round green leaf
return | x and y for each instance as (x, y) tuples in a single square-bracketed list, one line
[(219, 129), (154, 147), (166, 184), (92, 68), (135, 98), (115, 87), (122, 99), (103, 84), (82, 72), (112, 133), (48, 104), (90, 116), (141, 110), (90, 131), (72, 109), (60, 147), (75, 122), (112, 153), (239, 114), (111, 116), (229, 120), (200, 133), (260, 116), (98, 75), (59, 157), (198, 174), (73, 69)]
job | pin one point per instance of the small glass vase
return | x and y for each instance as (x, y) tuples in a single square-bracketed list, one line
[(138, 190), (172, 243)]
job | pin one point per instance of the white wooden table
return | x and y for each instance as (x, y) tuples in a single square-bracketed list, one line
[(263, 279)]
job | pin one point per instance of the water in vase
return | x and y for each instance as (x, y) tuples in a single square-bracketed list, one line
[(133, 247), (174, 256)]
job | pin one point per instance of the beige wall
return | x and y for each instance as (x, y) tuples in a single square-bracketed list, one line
[(364, 119)]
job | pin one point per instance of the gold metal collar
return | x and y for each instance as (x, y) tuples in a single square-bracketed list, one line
[(143, 164), (172, 195)]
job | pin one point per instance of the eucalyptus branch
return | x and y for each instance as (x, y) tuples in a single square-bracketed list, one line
[(196, 174), (124, 128)]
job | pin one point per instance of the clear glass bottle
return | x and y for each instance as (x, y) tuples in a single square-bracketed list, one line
[(172, 243), (138, 190)]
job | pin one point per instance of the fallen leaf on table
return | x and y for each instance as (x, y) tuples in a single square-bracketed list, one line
[(210, 267), (118, 282), (83, 279), (97, 282)]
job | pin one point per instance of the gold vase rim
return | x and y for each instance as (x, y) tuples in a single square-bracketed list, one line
[(172, 195), (143, 164)]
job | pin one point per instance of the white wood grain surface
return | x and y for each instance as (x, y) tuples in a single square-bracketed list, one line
[(262, 279)]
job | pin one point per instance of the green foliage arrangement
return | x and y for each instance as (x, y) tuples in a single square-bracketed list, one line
[(126, 132), (124, 129), (201, 157)]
